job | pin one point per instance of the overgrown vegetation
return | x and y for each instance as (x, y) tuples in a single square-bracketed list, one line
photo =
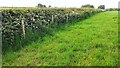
[(113, 9), (37, 22), (91, 42), (101, 7), (87, 6)]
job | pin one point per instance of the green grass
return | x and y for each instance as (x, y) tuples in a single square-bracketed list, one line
[(91, 42)]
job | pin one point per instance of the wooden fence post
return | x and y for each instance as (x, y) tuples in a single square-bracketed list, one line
[(52, 19), (67, 18), (23, 27)]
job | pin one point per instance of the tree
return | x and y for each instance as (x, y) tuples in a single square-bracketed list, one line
[(87, 6), (49, 6), (41, 6), (101, 7)]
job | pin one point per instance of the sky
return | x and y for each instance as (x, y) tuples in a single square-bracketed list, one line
[(58, 3)]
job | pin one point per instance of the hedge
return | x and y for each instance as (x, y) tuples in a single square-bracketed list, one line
[(35, 20)]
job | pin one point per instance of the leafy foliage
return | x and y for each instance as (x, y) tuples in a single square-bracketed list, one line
[(41, 6), (37, 22), (113, 9), (91, 42), (101, 7), (87, 6)]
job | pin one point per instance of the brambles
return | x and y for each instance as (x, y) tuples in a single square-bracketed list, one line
[(34, 21)]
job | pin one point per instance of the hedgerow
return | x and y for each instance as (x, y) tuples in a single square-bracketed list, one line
[(36, 21)]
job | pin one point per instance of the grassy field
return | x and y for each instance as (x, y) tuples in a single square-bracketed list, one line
[(91, 42)]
